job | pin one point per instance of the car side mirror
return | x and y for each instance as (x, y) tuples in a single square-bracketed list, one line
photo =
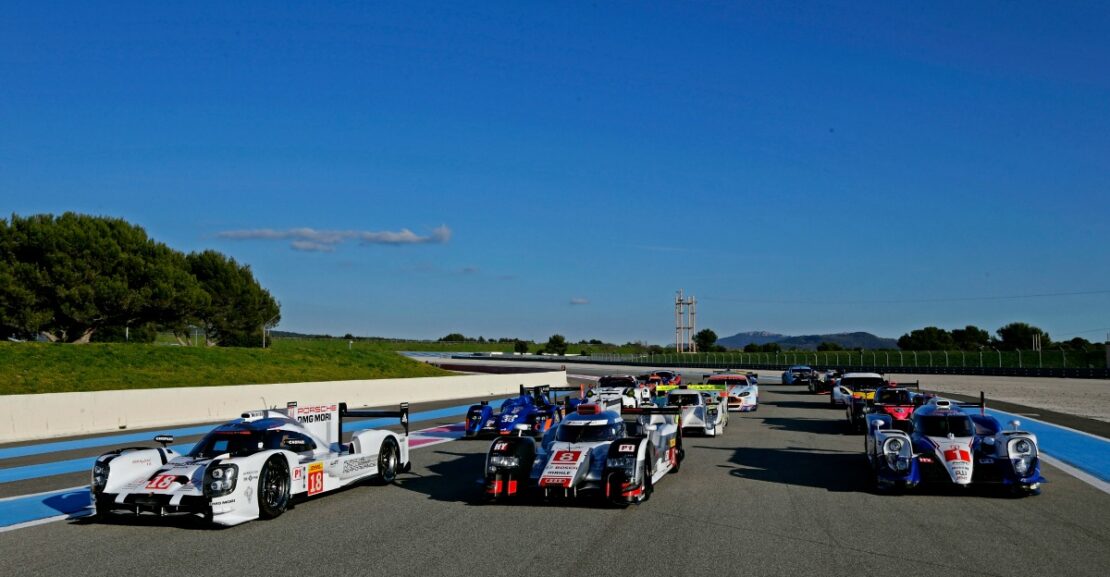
[(164, 439), (651, 428), (877, 424), (1015, 424)]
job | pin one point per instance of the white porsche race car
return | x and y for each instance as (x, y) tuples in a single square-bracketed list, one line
[(251, 467)]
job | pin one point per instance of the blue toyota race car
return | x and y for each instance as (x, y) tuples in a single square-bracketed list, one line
[(949, 445), (532, 412)]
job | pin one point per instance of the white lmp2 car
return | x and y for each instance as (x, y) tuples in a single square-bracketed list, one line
[(251, 467)]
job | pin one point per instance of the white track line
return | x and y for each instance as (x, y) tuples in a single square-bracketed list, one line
[(1078, 474)]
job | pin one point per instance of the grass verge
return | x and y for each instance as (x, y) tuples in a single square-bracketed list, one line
[(27, 368)]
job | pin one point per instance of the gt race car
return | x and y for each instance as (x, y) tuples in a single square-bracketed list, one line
[(704, 407), (743, 395), (948, 445), (533, 411), (251, 467), (616, 456), (798, 375)]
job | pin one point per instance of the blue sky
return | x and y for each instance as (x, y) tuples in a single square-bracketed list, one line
[(479, 167)]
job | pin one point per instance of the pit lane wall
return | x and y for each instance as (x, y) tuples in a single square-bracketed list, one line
[(27, 417)]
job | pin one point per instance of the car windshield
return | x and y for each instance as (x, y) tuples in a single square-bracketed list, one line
[(616, 382), (682, 399), (234, 442), (801, 371), (942, 425), (588, 433), (862, 383)]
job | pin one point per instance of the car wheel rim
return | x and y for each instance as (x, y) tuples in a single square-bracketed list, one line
[(389, 463), (274, 488)]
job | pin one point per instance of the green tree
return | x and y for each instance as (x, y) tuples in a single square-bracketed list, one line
[(705, 339), (69, 276), (556, 345), (239, 308), (1020, 336), (826, 346), (927, 339), (971, 338), (520, 347), (454, 338)]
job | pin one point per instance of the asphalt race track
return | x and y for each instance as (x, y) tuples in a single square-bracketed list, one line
[(783, 492)]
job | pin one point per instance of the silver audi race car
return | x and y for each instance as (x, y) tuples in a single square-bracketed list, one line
[(250, 467)]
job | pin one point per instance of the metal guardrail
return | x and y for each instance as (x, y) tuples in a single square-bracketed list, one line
[(676, 362)]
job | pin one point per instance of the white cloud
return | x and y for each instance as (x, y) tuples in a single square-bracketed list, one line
[(313, 240), (579, 301)]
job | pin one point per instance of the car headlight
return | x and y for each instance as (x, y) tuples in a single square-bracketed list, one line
[(893, 445), (220, 480), (625, 464), (504, 461), (1023, 447), (100, 475), (745, 394)]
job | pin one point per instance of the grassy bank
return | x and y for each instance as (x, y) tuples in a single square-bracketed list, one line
[(53, 368)]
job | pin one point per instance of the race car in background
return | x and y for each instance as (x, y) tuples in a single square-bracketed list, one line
[(948, 445), (533, 412), (669, 377), (798, 375), (614, 393), (250, 467), (743, 395), (824, 382), (899, 401), (618, 456), (704, 408), (862, 402)]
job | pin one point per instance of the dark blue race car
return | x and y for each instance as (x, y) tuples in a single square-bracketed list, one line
[(533, 412), (947, 444)]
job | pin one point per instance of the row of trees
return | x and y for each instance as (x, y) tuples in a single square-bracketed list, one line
[(77, 278), (1011, 337)]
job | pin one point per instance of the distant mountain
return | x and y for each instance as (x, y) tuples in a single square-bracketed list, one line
[(858, 340)]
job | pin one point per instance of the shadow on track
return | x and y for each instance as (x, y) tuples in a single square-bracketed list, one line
[(834, 471), (453, 480), (829, 426)]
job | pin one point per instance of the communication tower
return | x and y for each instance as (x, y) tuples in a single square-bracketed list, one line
[(685, 322)]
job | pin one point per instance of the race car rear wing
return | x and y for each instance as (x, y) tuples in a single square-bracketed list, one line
[(402, 413), (981, 405)]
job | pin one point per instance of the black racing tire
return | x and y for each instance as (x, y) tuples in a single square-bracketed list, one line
[(389, 462), (648, 485), (103, 511), (273, 488)]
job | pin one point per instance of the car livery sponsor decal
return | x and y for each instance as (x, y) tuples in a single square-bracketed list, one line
[(315, 414), (562, 468), (500, 446), (315, 478), (626, 448), (358, 465)]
